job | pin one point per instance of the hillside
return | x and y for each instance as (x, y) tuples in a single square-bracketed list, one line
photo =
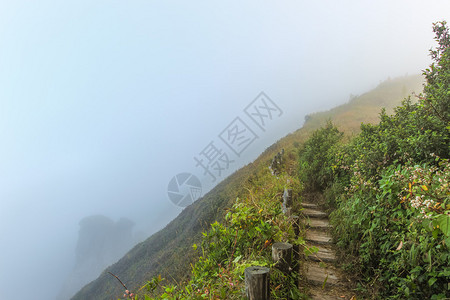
[(169, 252), (365, 108)]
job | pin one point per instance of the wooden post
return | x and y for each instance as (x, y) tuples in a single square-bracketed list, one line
[(282, 256), (296, 225), (296, 247), (257, 283), (287, 202)]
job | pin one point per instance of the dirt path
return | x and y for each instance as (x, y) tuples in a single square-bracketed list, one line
[(324, 279)]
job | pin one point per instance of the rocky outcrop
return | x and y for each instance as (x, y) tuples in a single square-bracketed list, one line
[(101, 242)]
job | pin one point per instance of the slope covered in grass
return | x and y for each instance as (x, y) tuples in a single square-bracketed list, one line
[(169, 252)]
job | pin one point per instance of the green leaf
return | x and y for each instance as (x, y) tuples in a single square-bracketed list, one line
[(431, 281), (325, 282), (435, 233), (447, 242), (444, 224), (237, 258), (300, 241), (310, 250)]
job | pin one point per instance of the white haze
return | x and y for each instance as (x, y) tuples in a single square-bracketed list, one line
[(102, 102)]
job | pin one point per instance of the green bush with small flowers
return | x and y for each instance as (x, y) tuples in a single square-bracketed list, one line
[(389, 188)]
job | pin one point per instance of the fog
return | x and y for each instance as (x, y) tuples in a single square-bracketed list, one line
[(102, 103)]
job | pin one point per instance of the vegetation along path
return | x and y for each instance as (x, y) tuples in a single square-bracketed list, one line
[(386, 183)]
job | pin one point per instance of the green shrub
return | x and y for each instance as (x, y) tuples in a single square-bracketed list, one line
[(390, 188), (394, 215), (315, 157)]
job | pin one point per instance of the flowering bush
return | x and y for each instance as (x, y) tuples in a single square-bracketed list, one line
[(391, 192)]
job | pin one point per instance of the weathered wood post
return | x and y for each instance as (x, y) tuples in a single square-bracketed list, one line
[(257, 283), (282, 256), (296, 247), (287, 201)]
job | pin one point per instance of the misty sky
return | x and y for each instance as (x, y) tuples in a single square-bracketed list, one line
[(103, 102)]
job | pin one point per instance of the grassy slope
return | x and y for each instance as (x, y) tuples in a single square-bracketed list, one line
[(169, 251), (366, 107)]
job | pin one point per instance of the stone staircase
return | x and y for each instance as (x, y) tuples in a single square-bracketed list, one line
[(325, 280)]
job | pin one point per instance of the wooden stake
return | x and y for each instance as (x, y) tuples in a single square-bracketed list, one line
[(257, 283)]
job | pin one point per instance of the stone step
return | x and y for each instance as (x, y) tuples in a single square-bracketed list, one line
[(314, 213), (324, 254), (317, 275), (318, 223), (316, 236), (320, 294), (309, 205)]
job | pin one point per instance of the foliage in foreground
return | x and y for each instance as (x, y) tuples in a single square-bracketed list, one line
[(244, 239), (390, 191)]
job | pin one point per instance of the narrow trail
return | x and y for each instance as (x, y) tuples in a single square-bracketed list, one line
[(325, 279)]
